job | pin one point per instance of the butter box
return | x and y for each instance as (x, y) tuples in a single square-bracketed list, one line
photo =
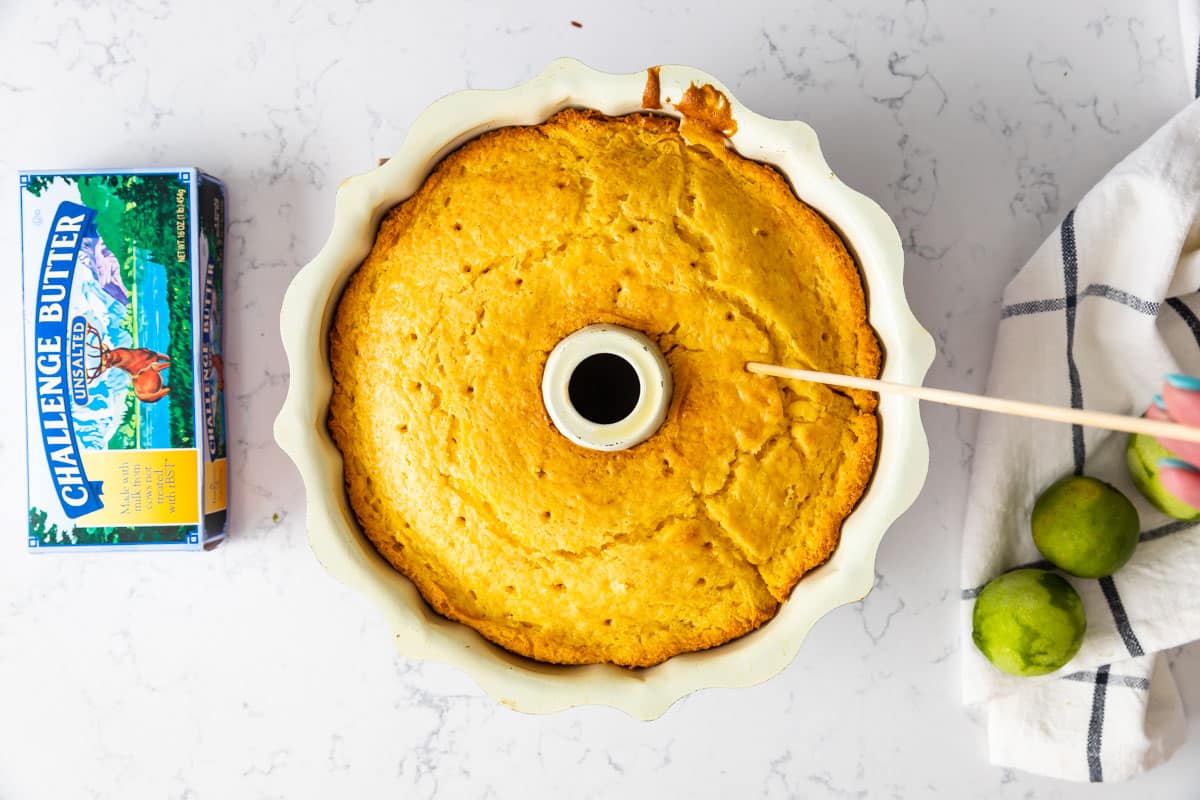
[(125, 413)]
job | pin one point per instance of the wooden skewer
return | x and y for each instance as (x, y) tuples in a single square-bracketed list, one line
[(1016, 408)]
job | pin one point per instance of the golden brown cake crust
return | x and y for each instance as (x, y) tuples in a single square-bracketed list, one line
[(455, 471)]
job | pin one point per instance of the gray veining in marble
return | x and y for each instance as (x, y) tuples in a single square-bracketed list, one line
[(247, 672)]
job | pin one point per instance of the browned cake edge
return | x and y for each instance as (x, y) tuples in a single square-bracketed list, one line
[(539, 648)]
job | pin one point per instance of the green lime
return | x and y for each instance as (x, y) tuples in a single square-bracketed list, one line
[(1142, 454), (1085, 527), (1028, 622)]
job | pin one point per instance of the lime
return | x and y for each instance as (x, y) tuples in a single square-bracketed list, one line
[(1028, 622), (1142, 454), (1085, 527)]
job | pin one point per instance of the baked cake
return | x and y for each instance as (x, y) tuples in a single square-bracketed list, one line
[(453, 468)]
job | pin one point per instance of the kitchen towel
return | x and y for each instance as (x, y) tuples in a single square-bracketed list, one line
[(1105, 308)]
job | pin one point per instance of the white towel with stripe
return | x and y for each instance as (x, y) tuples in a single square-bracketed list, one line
[(1104, 309)]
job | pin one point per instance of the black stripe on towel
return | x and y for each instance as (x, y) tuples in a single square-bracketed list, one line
[(1197, 86), (1102, 290), (1167, 530), (1188, 316), (1070, 286), (1096, 726), (1113, 680), (1109, 587)]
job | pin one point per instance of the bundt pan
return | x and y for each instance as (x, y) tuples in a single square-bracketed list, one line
[(345, 552)]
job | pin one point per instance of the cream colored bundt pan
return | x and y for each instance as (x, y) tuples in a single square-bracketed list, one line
[(420, 633)]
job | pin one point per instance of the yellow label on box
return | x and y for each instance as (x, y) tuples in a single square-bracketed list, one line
[(214, 486), (144, 487)]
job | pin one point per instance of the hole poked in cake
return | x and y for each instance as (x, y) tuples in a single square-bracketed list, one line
[(604, 388)]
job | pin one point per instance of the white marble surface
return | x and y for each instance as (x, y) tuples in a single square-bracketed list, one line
[(247, 672)]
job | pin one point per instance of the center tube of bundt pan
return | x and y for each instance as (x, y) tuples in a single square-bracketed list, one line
[(607, 387)]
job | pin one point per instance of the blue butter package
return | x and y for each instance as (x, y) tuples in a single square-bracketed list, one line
[(125, 412)]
